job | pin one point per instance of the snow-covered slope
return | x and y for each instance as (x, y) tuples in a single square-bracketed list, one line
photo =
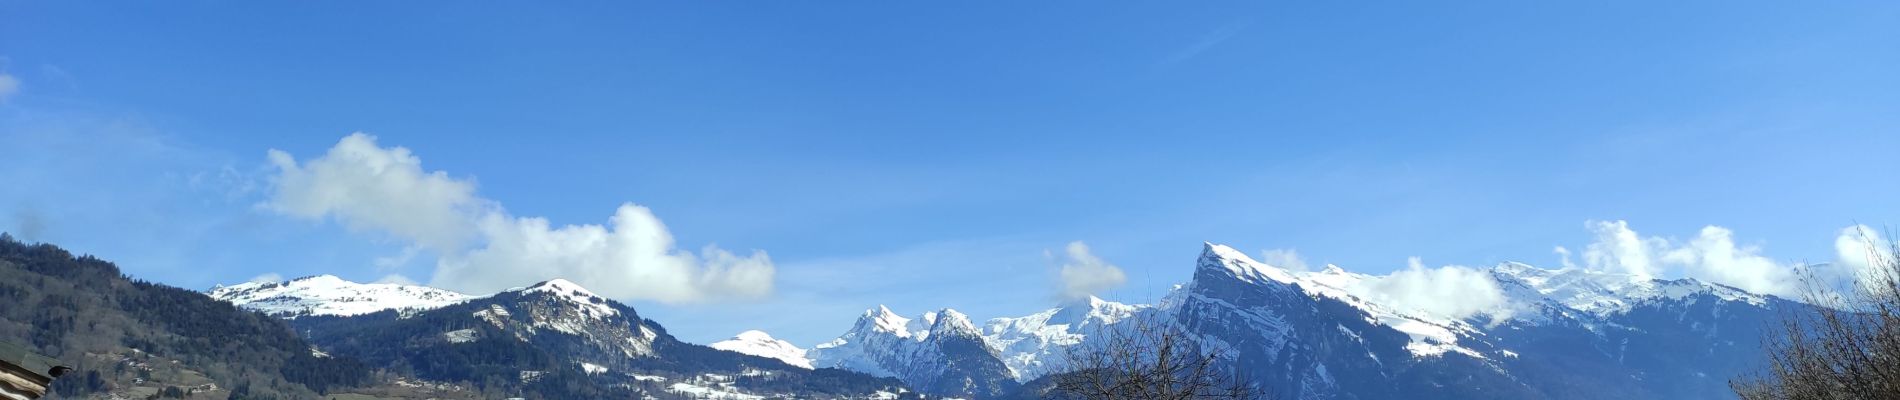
[(761, 344), (1034, 345), (585, 321), (560, 340), (1606, 293), (1430, 335), (330, 295)]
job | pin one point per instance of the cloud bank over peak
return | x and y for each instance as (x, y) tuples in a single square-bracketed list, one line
[(1620, 249), (481, 248), (1083, 274), (1859, 250), (1451, 291), (1712, 256)]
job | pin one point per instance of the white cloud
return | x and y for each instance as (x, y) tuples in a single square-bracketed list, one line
[(1449, 291), (1711, 256), (368, 187), (267, 278), (1287, 259), (1859, 250), (1563, 255), (633, 258), (9, 86), (481, 248), (1083, 274), (1620, 249)]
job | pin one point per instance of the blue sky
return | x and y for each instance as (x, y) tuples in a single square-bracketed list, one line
[(928, 155)]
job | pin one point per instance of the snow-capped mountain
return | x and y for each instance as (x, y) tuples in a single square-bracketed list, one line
[(556, 339), (1566, 333), (1034, 345), (586, 322), (1606, 293), (938, 352), (761, 344), (1326, 334), (330, 295)]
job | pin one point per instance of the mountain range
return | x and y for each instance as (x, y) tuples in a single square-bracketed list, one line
[(553, 339), (1557, 334)]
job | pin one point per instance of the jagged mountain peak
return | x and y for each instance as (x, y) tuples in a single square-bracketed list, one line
[(1319, 334), (939, 351), (1220, 261), (882, 319), (950, 322)]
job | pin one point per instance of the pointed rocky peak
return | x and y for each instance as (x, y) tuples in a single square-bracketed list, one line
[(951, 322), (882, 319), (1222, 262), (1332, 269)]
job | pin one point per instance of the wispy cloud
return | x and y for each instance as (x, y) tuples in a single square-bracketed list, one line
[(1285, 258), (1207, 41), (111, 185), (9, 86)]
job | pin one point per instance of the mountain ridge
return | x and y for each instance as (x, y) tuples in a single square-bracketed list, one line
[(330, 295), (1329, 332)]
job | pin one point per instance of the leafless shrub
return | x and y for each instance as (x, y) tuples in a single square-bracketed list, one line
[(1847, 346), (1138, 359)]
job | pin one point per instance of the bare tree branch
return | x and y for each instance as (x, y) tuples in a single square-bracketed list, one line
[(1140, 359), (1845, 346)]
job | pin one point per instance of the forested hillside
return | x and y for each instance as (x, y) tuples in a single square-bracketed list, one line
[(138, 339), (132, 339)]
